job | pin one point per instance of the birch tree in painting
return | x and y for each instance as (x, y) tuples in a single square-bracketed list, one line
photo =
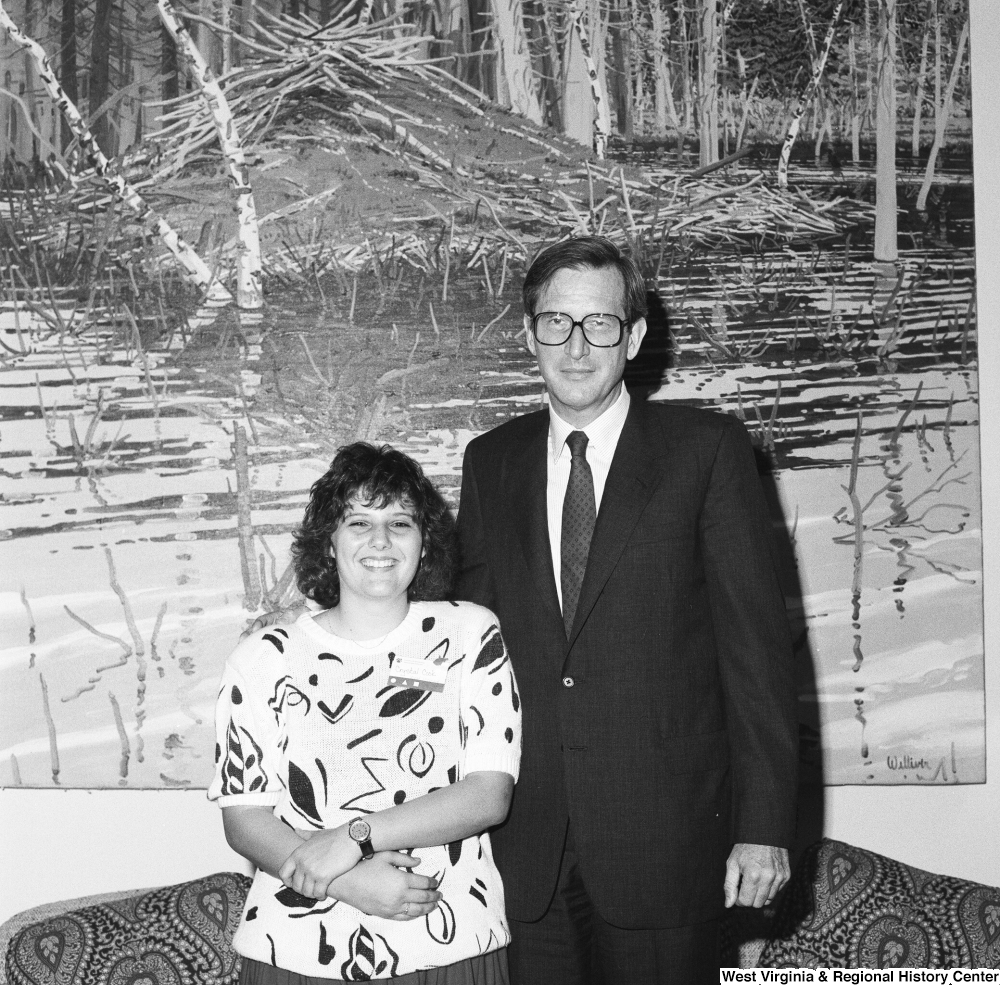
[(942, 105), (807, 97), (248, 276), (708, 83), (886, 250)]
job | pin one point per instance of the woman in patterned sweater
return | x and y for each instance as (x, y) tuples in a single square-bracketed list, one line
[(386, 723)]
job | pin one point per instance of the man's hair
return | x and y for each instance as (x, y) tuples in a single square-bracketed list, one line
[(373, 477), (586, 253)]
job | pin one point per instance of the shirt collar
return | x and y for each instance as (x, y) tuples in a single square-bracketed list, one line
[(601, 433)]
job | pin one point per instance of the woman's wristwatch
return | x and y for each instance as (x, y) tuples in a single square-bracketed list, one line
[(360, 831)]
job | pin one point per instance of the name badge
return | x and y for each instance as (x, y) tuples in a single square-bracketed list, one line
[(424, 675)]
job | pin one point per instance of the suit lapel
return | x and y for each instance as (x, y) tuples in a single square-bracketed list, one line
[(527, 474), (635, 471)]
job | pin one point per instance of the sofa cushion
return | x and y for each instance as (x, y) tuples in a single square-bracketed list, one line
[(169, 936), (850, 908)]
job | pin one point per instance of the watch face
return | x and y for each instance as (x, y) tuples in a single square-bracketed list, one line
[(359, 829)]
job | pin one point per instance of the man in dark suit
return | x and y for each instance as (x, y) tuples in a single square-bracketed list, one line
[(625, 548)]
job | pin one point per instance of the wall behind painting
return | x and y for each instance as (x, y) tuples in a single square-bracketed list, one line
[(62, 844)]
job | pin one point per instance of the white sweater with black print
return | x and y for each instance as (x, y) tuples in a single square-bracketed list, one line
[(323, 730)]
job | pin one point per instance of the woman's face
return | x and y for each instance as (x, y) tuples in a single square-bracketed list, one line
[(378, 551)]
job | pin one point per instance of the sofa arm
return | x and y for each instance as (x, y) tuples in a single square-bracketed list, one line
[(179, 933), (846, 907)]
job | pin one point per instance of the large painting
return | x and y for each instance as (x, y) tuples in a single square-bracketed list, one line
[(794, 176)]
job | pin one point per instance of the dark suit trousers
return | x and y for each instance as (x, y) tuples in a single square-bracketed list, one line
[(573, 945)]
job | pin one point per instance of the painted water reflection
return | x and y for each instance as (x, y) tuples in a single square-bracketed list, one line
[(150, 491)]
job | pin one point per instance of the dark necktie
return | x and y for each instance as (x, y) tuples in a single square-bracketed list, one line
[(578, 519)]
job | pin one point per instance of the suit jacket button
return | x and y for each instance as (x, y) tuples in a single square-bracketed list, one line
[(568, 682)]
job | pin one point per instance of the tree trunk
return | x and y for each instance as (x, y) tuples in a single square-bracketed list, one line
[(67, 67), (248, 14), (225, 18), (551, 96), (886, 245), (100, 61), (29, 79), (869, 63), (824, 128), (855, 102), (806, 99), (747, 100), (582, 77), (918, 99), (663, 97), (686, 68), (515, 59), (810, 34), (708, 83), (168, 65), (942, 111), (455, 28), (597, 34), (621, 85), (481, 68), (115, 114)]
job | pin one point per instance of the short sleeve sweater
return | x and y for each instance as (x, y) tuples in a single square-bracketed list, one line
[(323, 730)]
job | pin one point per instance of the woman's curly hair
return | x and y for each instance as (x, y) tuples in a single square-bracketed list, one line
[(374, 477)]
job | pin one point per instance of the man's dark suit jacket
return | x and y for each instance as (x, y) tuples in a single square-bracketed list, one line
[(665, 727)]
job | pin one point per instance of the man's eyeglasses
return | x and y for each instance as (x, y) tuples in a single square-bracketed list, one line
[(555, 327)]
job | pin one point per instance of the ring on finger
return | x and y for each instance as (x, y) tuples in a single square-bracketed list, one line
[(406, 908)]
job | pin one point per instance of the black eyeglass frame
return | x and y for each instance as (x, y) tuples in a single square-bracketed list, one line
[(622, 326)]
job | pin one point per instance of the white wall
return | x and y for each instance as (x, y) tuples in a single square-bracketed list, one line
[(62, 844)]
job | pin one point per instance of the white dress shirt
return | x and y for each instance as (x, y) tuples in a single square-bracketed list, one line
[(602, 440)]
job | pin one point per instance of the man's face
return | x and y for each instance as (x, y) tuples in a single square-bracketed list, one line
[(582, 380)]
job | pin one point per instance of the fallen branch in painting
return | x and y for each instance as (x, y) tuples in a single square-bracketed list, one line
[(154, 655), (122, 736), (51, 726), (492, 321), (138, 645), (126, 649)]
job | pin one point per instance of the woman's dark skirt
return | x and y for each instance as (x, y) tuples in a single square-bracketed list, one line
[(483, 969)]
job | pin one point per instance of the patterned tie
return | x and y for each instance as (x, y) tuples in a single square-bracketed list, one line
[(578, 519)]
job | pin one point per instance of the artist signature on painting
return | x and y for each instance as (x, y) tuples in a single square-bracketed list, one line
[(907, 763)]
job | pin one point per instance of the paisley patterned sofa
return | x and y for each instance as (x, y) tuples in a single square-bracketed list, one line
[(177, 935), (844, 907)]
